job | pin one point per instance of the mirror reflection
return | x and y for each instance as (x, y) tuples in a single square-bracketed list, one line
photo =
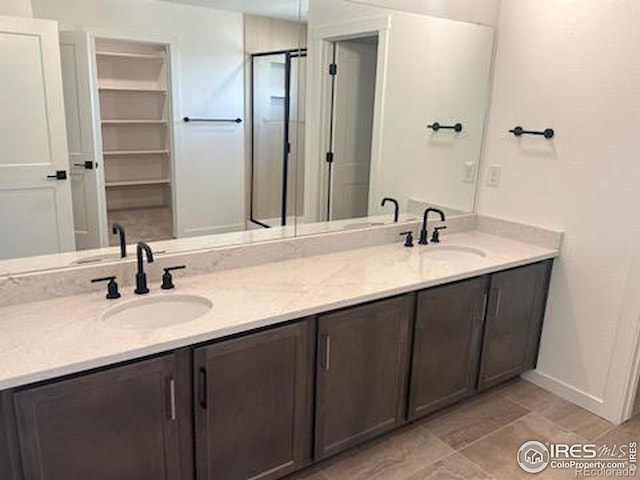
[(198, 123), (396, 108)]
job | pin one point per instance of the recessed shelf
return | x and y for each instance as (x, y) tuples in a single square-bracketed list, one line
[(131, 55), (137, 183), (134, 122), (158, 91), (114, 153)]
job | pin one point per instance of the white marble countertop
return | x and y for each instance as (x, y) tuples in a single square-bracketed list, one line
[(52, 338)]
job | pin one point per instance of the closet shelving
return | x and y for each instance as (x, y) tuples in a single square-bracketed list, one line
[(116, 153), (134, 122), (131, 55), (134, 92)]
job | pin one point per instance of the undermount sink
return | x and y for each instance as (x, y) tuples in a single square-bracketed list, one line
[(453, 253), (157, 312)]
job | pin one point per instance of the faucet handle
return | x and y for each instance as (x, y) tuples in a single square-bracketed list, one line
[(167, 278), (435, 237), (112, 287), (409, 240)]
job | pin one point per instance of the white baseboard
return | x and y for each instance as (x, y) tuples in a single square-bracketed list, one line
[(574, 395)]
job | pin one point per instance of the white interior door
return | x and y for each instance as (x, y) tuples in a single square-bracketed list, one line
[(78, 103), (355, 86), (35, 210)]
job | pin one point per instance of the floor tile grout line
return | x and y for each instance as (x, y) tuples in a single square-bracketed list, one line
[(497, 393), (606, 432), (541, 414), (520, 404), (479, 467), (459, 450), (455, 409)]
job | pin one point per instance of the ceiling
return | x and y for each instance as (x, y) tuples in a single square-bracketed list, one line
[(283, 9)]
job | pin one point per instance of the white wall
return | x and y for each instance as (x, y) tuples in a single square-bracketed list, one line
[(210, 165), (475, 11), (16, 8), (574, 66), (436, 70)]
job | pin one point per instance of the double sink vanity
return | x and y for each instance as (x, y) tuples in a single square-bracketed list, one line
[(261, 371)]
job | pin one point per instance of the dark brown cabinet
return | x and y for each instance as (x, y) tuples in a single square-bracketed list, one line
[(514, 318), (446, 346), (121, 423), (9, 451), (263, 405), (253, 404), (361, 373)]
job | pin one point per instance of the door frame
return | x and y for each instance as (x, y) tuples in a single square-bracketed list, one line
[(172, 44), (322, 39), (288, 55)]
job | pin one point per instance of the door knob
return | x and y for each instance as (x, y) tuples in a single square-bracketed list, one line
[(59, 175), (87, 165)]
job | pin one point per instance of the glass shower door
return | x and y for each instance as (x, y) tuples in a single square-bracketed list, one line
[(277, 136)]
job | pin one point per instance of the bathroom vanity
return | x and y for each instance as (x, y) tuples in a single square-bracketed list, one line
[(349, 346)]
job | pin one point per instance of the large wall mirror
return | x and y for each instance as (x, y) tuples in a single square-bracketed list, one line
[(192, 124)]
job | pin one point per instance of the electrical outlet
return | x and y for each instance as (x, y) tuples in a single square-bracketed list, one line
[(494, 173), (469, 172)]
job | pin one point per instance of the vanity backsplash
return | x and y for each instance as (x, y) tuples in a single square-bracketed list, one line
[(16, 289)]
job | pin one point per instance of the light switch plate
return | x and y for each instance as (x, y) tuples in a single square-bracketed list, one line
[(469, 172), (494, 174)]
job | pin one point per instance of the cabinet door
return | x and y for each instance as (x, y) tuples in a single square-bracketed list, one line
[(9, 454), (361, 373), (253, 405), (36, 209), (446, 349), (514, 320), (117, 424)]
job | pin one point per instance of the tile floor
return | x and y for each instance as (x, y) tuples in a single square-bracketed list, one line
[(477, 439)]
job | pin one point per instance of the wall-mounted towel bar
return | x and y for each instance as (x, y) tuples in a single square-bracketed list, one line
[(213, 120), (519, 131), (436, 126)]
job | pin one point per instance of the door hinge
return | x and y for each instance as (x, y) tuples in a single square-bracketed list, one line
[(333, 69), (329, 157)]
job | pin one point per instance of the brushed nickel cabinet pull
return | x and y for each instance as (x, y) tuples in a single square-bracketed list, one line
[(327, 352), (485, 301), (497, 293), (172, 398)]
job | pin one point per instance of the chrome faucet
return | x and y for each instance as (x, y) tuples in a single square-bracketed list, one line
[(424, 233), (141, 277)]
